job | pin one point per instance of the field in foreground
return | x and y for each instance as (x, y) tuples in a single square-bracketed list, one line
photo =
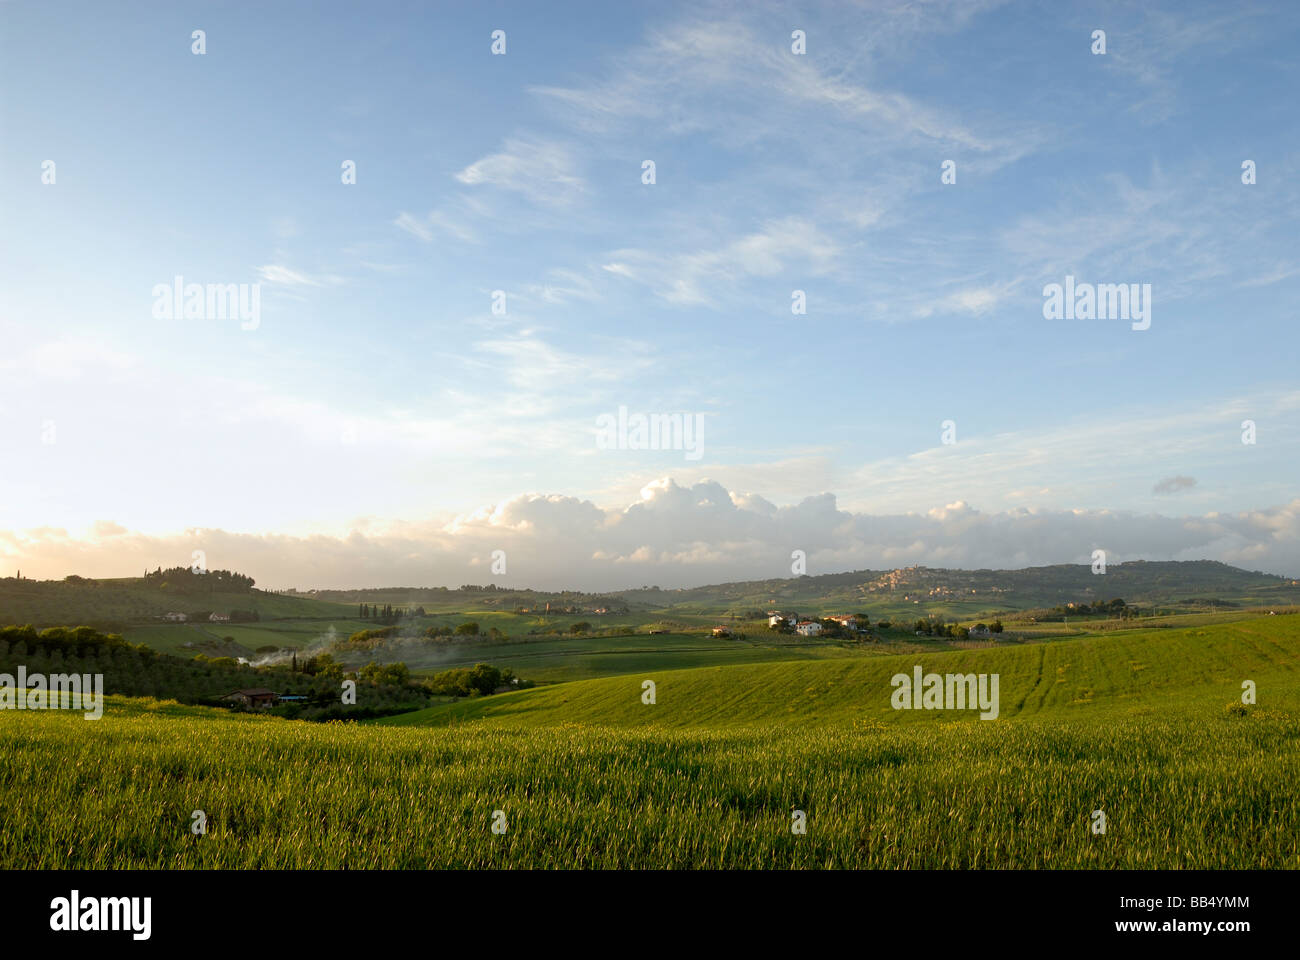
[(1183, 783)]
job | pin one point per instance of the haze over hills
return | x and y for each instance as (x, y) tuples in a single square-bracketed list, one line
[(994, 589), (1030, 586), (1189, 583)]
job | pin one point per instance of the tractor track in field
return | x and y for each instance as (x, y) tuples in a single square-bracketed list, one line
[(1042, 657)]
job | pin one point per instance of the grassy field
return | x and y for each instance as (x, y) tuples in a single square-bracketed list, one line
[(297, 634), (586, 775), (560, 659), (1187, 789), (1064, 679)]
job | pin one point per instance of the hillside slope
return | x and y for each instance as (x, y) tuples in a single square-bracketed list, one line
[(1130, 724), (1076, 677), (1146, 582), (95, 602)]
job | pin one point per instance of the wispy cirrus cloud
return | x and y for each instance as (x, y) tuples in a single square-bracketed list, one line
[(414, 226), (1161, 43), (543, 171), (436, 221), (680, 73), (281, 276), (707, 276)]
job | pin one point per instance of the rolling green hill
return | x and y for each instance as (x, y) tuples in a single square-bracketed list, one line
[(916, 591), (1066, 679), (911, 591), (559, 659), (1131, 724), (117, 602)]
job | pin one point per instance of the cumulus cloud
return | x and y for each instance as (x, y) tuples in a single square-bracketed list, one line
[(673, 535)]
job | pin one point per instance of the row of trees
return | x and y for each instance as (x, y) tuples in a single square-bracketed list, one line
[(138, 671), (386, 674), (71, 641), (937, 628), (1116, 608), (187, 579), (1109, 608), (387, 612), (480, 681), (469, 628), (376, 636)]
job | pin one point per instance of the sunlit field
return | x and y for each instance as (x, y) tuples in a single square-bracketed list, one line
[(585, 774)]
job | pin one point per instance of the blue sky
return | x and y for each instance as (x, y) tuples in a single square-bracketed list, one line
[(380, 397)]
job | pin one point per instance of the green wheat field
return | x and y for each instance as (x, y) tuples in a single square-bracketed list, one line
[(1145, 726)]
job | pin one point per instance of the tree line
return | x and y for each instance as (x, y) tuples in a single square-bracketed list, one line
[(185, 578)]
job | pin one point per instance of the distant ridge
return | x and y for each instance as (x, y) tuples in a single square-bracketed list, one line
[(107, 602), (1135, 580)]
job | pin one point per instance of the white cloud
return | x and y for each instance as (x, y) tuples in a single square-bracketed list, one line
[(706, 276), (543, 171), (282, 276), (678, 76), (413, 226), (677, 535), (973, 300), (423, 229), (564, 286)]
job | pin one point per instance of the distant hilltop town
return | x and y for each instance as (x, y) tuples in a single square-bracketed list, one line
[(923, 582)]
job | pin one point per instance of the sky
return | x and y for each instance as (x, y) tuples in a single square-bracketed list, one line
[(437, 344)]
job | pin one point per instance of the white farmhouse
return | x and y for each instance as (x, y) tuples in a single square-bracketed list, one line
[(808, 628)]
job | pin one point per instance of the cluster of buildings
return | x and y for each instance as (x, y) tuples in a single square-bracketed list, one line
[(182, 617), (260, 698), (809, 628), (597, 611)]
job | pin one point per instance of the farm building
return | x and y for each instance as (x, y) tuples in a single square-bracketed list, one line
[(175, 617), (776, 616), (219, 618), (808, 628), (258, 698), (721, 631), (847, 621)]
